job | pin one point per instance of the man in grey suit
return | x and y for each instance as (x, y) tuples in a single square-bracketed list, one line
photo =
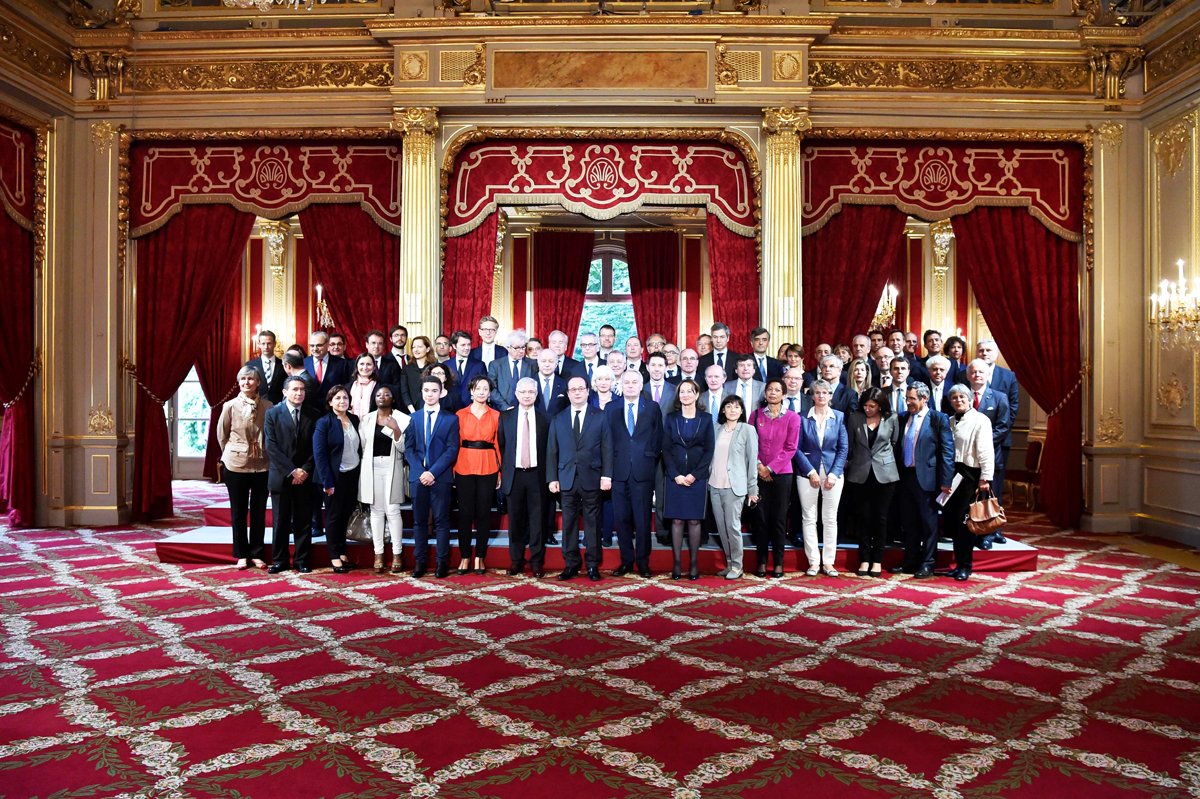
[(745, 386), (710, 399), (289, 433), (657, 388), (505, 372)]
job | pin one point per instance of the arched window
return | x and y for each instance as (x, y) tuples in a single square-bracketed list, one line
[(608, 300)]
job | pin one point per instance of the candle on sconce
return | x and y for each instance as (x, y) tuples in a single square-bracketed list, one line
[(319, 292), (1182, 279)]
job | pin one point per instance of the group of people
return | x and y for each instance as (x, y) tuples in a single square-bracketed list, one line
[(700, 439)]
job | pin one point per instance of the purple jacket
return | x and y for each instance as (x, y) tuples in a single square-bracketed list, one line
[(777, 439)]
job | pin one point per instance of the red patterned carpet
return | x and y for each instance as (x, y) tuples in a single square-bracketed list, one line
[(122, 676)]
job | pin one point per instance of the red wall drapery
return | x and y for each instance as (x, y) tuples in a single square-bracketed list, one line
[(653, 258), (561, 260), (16, 375), (844, 268), (733, 277), (182, 270), (467, 288), (1026, 282), (358, 264), (220, 357)]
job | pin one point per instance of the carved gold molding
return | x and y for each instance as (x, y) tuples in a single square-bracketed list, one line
[(786, 120), (414, 66), (100, 420), (82, 15), (415, 119), (950, 74), (942, 234), (476, 74), (726, 72), (1172, 394), (41, 156), (274, 234), (787, 66), (1171, 146), (1111, 66), (34, 56), (1178, 56), (1111, 134), (104, 69), (809, 24), (104, 135), (1110, 428), (260, 76)]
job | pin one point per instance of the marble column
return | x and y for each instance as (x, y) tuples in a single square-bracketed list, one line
[(781, 303), (420, 225)]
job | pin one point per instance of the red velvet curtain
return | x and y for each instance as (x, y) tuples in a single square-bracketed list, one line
[(733, 278), (16, 362), (358, 264), (1026, 280), (844, 268), (217, 365), (653, 258), (561, 260), (183, 271), (467, 286)]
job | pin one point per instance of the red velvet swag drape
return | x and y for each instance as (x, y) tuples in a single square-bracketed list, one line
[(653, 258), (733, 277), (16, 360), (467, 284), (1026, 280), (561, 260), (358, 264), (845, 266), (220, 357), (183, 270)]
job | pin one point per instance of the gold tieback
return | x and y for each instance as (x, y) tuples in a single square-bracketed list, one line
[(35, 368), (129, 367), (1067, 398)]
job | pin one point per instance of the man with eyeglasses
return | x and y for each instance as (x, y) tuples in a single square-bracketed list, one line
[(671, 353), (505, 372), (487, 351), (589, 343)]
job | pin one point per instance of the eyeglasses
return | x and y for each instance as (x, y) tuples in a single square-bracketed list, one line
[(488, 329)]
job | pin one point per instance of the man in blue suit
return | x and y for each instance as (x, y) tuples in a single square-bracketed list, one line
[(506, 371), (430, 448), (565, 366), (464, 364), (926, 470), (635, 424), (766, 367), (289, 442), (552, 389), (579, 465), (524, 431), (1002, 381), (327, 370)]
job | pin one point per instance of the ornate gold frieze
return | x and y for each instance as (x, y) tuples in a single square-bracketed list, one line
[(1111, 66), (777, 25), (950, 74), (1169, 61), (1110, 428), (787, 66), (1172, 394), (726, 74), (104, 69), (1111, 134), (104, 134), (260, 76), (100, 420), (476, 73), (1171, 146), (33, 56), (413, 67), (83, 15)]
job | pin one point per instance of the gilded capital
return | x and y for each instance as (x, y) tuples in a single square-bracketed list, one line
[(786, 120), (1171, 147), (105, 70), (1111, 134), (420, 120), (275, 236), (1110, 68), (104, 135)]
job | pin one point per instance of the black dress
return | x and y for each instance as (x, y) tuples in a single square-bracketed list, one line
[(687, 449)]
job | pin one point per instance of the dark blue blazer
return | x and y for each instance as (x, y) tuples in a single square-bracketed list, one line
[(843, 399), (442, 447), (288, 448), (328, 446), (775, 368), (1004, 382), (474, 367), (507, 439), (994, 406), (579, 464), (635, 458), (933, 455), (570, 368), (338, 373), (558, 395), (594, 400), (683, 456), (832, 452)]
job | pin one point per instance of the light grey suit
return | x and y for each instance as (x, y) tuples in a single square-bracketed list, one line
[(703, 403), (880, 459), (756, 391), (727, 502), (499, 372)]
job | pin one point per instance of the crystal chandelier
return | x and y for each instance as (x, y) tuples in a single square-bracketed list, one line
[(885, 311), (267, 5), (1175, 313)]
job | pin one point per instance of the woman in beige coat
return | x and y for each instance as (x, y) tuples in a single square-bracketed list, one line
[(240, 436), (381, 480)]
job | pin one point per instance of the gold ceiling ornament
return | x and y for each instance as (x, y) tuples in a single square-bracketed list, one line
[(1111, 134), (104, 135), (726, 73), (1110, 428), (1172, 394), (950, 74), (1167, 62), (100, 420), (104, 69), (32, 55), (1111, 66), (260, 76), (476, 74), (83, 15), (942, 234), (786, 120), (1171, 147)]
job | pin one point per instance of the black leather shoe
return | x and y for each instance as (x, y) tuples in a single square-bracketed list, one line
[(675, 574), (551, 540), (622, 570), (945, 572), (644, 572), (513, 571), (962, 575), (594, 575), (276, 568), (303, 569), (419, 570), (693, 575), (923, 574), (761, 571), (568, 573), (898, 570), (442, 571), (538, 572), (999, 538), (606, 541), (340, 570), (984, 543)]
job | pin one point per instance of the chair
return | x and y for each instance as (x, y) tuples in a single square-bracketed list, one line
[(1028, 478)]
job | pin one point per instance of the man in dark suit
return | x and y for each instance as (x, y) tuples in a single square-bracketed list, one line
[(505, 372), (938, 367), (523, 438), (689, 366), (564, 366), (745, 384), (721, 354), (926, 470), (590, 345), (821, 351), (897, 342), (1003, 381), (657, 388), (464, 364), (269, 367), (489, 350), (288, 428), (387, 370), (579, 465), (860, 347), (901, 380), (327, 370), (398, 335), (552, 389), (830, 369), (765, 367), (710, 398), (636, 427), (430, 448)]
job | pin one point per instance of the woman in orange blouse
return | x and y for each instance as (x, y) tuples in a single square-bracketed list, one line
[(476, 473)]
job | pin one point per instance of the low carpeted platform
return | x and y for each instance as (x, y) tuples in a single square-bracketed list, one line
[(124, 676)]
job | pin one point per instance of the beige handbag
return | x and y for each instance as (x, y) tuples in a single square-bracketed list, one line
[(985, 515)]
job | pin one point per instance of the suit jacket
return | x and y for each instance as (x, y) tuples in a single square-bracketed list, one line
[(338, 373), (503, 388), (802, 407), (558, 395), (879, 459), (395, 489), (844, 399), (472, 368), (933, 455), (994, 406), (578, 462), (944, 405), (743, 460), (1005, 382), (507, 439), (916, 369), (704, 403), (890, 393), (289, 447), (388, 373), (329, 443), (775, 369), (570, 368), (710, 358), (756, 391), (477, 354), (682, 456), (667, 401), (635, 457), (831, 452), (441, 449), (583, 369), (274, 390), (410, 388)]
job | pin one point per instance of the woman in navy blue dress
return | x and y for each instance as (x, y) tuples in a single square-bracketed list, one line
[(687, 457)]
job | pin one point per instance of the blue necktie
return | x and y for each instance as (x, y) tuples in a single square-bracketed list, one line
[(428, 435), (910, 441), (589, 373), (629, 423), (512, 391), (792, 404)]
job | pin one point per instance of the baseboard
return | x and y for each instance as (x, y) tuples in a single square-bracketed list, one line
[(1185, 534), (1107, 523)]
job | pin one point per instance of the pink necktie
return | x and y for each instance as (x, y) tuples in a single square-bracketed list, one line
[(524, 458), (658, 393)]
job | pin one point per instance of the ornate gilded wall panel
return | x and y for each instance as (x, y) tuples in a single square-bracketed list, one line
[(35, 57), (613, 69), (951, 74), (1175, 58), (259, 76)]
